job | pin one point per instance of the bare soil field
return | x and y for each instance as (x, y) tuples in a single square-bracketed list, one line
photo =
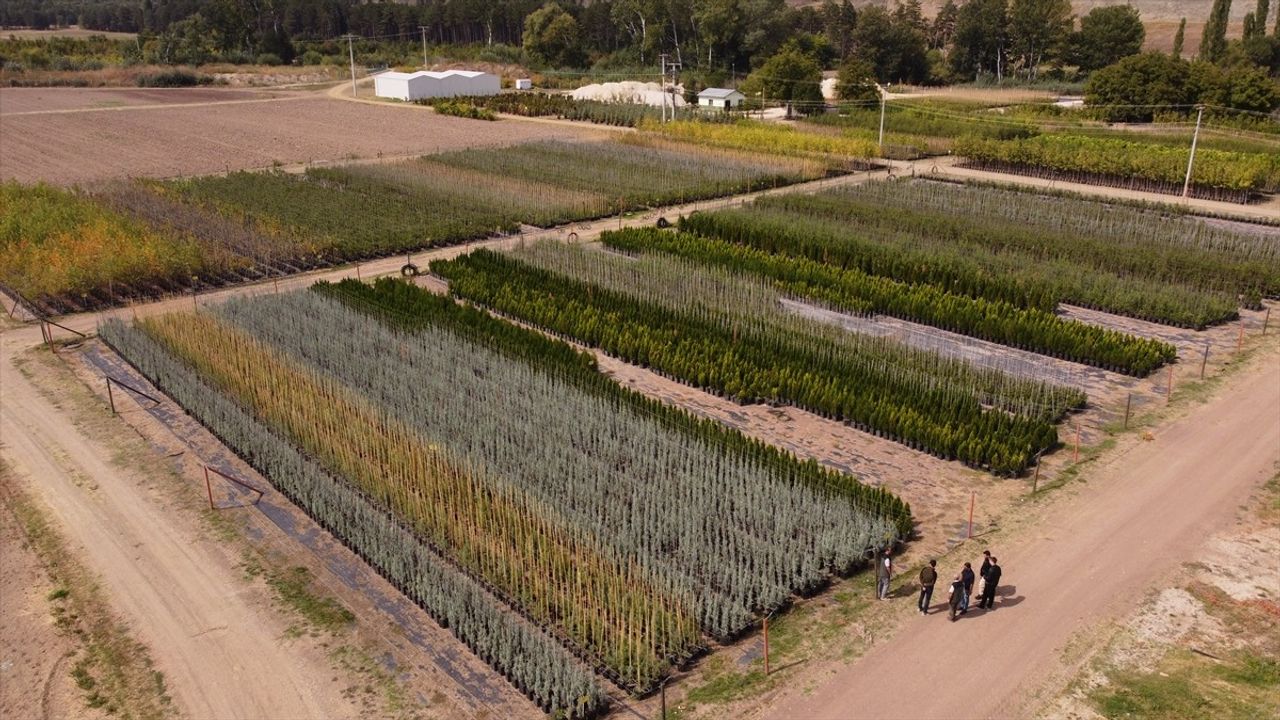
[(24, 101), (86, 147), (74, 31)]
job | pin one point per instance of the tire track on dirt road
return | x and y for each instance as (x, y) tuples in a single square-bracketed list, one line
[(1090, 561), (173, 587)]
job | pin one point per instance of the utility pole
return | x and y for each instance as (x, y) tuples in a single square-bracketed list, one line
[(423, 28), (1186, 185), (351, 53), (662, 65), (880, 148)]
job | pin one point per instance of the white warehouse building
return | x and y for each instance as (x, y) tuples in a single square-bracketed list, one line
[(429, 84)]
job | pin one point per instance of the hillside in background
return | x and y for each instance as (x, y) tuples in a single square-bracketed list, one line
[(1160, 16)]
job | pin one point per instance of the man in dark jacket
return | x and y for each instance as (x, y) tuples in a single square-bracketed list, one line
[(986, 563), (992, 579), (928, 576), (966, 575), (953, 599)]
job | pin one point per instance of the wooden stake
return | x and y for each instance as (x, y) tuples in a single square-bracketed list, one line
[(1205, 361), (111, 398), (1168, 394), (973, 498), (766, 646), (1035, 479), (1240, 339), (358, 273), (276, 282), (207, 487), (1128, 405), (1076, 455), (1266, 319)]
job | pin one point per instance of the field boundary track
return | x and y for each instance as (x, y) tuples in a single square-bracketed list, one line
[(158, 106)]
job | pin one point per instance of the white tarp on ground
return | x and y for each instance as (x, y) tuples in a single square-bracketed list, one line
[(629, 91)]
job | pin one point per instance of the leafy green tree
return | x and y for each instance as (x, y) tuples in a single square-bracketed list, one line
[(1213, 43), (790, 76), (981, 38), (839, 20), (943, 28), (1179, 37), (552, 36), (1038, 32), (1251, 88), (894, 46), (1107, 34), (1255, 23), (856, 83), (1125, 91)]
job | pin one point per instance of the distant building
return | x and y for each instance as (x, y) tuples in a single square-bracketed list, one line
[(524, 84), (429, 84), (722, 98)]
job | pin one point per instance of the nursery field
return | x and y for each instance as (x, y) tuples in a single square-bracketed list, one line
[(66, 250), (729, 334), (559, 525), (1218, 174), (1023, 249), (712, 304)]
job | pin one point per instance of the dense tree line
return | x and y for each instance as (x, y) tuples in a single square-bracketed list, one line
[(781, 50)]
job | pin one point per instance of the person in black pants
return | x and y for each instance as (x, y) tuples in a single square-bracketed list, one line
[(966, 575), (928, 576), (955, 596), (992, 579)]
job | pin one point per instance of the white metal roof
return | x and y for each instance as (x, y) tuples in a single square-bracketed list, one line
[(719, 93), (393, 75)]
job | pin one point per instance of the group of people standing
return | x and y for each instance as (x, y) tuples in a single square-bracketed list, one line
[(961, 588)]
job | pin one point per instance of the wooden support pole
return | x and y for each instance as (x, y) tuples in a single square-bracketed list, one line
[(1240, 339), (358, 273), (276, 282), (1205, 361), (111, 398), (195, 307), (1266, 319), (1168, 393), (1035, 480), (973, 498), (663, 691), (207, 487), (766, 646), (1075, 457), (1128, 405)]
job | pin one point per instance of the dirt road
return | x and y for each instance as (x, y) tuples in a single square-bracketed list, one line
[(1090, 562), (221, 652)]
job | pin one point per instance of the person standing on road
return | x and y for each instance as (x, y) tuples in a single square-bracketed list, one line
[(982, 571), (966, 575), (992, 579), (955, 596), (928, 576), (884, 572)]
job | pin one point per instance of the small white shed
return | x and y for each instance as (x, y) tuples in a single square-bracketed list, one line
[(428, 84), (722, 98)]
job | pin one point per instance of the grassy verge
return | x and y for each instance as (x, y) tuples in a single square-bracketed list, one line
[(1223, 676), (114, 671)]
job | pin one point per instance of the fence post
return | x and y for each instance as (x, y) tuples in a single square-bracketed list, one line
[(1075, 457), (1168, 393), (1204, 361), (207, 487), (1128, 405), (111, 397), (1266, 319), (766, 646), (973, 498), (1035, 480), (1240, 339)]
